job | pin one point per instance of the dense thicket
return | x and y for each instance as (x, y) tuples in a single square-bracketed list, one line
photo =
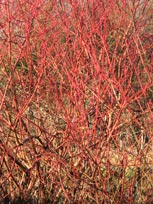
[(76, 90)]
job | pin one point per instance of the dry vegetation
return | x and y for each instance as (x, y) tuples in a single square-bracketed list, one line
[(76, 90)]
